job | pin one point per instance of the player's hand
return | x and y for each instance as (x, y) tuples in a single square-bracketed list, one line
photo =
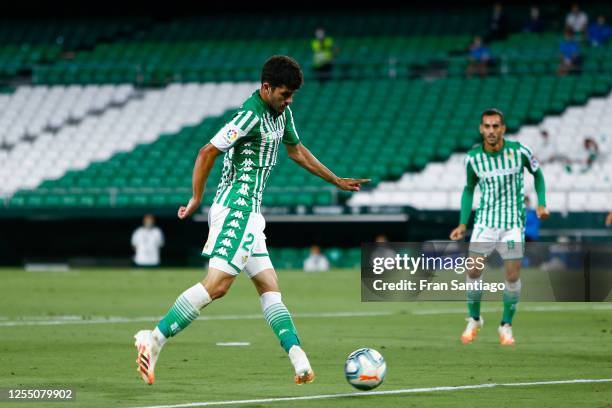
[(609, 219), (542, 212), (184, 212), (350, 184), (458, 233)]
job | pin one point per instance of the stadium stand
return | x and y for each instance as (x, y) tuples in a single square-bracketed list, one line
[(158, 63), (419, 121), (26, 43), (123, 144), (103, 119), (28, 112), (570, 188), (96, 134)]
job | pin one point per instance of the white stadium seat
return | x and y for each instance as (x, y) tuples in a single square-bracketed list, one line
[(94, 122)]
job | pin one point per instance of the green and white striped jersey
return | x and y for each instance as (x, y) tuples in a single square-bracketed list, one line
[(500, 178), (251, 141)]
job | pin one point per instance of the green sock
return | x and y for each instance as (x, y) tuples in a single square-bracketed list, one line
[(473, 298), (511, 297), (279, 319), (184, 311), (473, 303)]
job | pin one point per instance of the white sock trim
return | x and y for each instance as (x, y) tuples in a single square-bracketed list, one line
[(269, 298), (197, 296), (299, 360), (159, 337)]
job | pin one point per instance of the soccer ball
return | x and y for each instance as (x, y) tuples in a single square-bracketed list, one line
[(365, 369)]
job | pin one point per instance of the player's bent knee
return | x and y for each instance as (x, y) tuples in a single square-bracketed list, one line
[(513, 270), (217, 283), (266, 281)]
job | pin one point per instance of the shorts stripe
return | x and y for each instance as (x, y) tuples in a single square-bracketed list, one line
[(230, 237)]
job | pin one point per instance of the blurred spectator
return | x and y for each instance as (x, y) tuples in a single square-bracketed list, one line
[(570, 54), (147, 242), (559, 255), (323, 53), (535, 23), (587, 158), (532, 222), (480, 58), (591, 151), (577, 21), (498, 24), (599, 32), (381, 238), (532, 230), (383, 248), (548, 151), (609, 219), (316, 261)]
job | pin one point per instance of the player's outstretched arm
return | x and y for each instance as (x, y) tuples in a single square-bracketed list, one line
[(540, 187), (302, 156), (533, 166), (467, 199), (201, 170)]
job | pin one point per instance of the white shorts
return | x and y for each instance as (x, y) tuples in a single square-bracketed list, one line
[(508, 242), (236, 241)]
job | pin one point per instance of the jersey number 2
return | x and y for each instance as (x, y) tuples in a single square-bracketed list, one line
[(248, 241)]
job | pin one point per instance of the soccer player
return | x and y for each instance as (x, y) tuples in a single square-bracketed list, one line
[(236, 241), (497, 166)]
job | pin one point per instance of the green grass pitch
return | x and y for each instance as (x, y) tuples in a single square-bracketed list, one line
[(53, 333)]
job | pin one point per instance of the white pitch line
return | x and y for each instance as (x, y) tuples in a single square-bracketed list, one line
[(371, 393), (545, 308), (234, 344), (66, 320)]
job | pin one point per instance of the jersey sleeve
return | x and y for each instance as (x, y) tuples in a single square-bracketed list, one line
[(236, 129), (290, 136), (529, 160), (467, 197), (471, 176)]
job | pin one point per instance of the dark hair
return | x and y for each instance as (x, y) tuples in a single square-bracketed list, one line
[(281, 70), (491, 112)]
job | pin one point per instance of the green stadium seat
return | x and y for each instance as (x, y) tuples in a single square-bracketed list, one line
[(69, 200), (334, 256), (87, 200), (102, 200), (52, 200)]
